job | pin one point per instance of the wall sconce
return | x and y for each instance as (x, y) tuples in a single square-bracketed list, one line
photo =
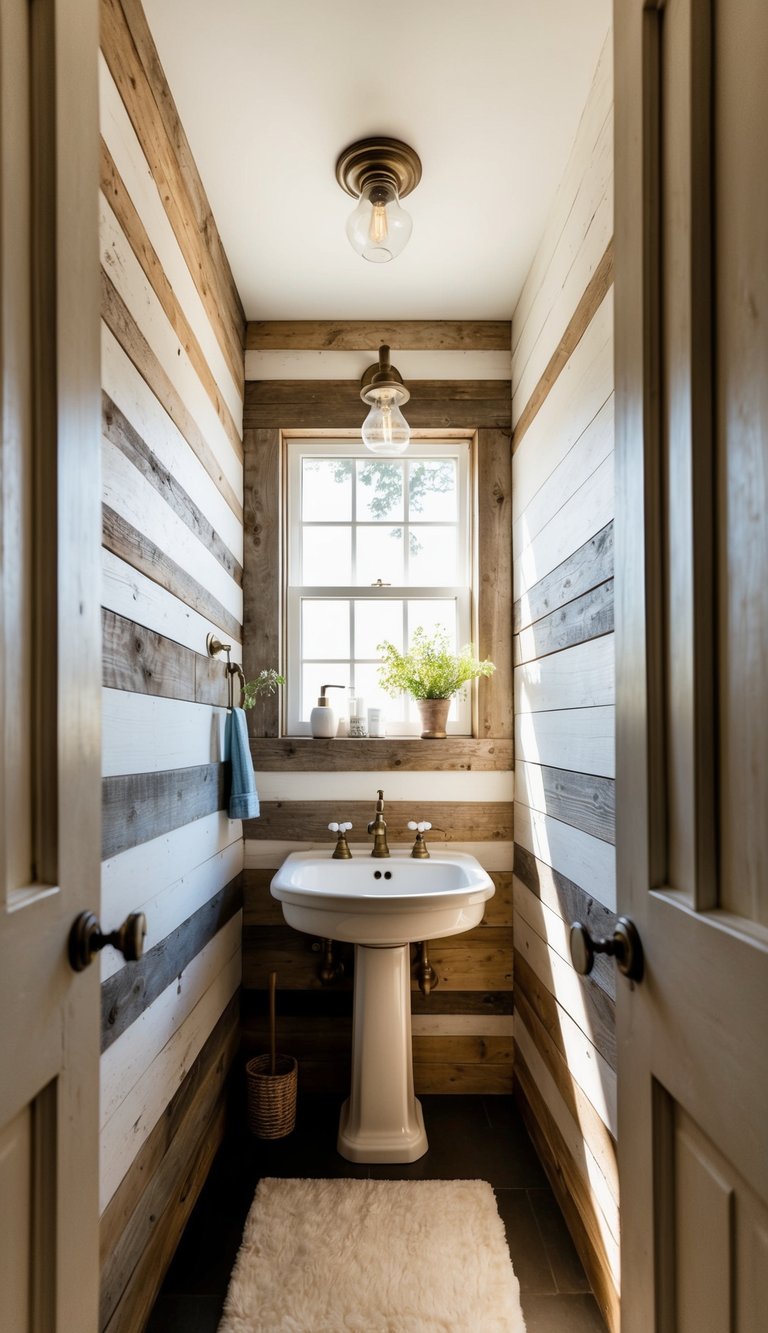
[(385, 429), (380, 172)]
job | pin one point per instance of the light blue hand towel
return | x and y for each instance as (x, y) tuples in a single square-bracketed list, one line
[(244, 799)]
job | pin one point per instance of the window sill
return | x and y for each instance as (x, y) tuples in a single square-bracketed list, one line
[(305, 754)]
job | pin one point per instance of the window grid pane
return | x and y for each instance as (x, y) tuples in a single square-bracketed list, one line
[(421, 503)]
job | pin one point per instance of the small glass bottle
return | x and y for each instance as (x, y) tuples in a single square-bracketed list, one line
[(358, 722)]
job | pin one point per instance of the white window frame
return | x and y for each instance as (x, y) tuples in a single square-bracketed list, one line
[(460, 594)]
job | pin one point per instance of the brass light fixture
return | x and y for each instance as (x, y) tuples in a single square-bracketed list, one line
[(380, 172), (385, 429)]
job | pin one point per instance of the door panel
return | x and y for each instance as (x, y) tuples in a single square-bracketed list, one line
[(15, 1217), (49, 661), (741, 198), (716, 1275), (692, 654)]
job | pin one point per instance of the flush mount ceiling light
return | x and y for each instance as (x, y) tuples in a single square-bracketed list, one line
[(380, 172), (385, 429)]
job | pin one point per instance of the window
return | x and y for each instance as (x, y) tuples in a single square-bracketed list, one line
[(376, 547)]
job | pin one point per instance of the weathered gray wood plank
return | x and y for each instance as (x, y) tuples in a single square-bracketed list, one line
[(136, 68), (586, 617), (119, 431), (212, 1064), (114, 189), (434, 404), (494, 582), (582, 800), (361, 335), (140, 806), (261, 587), (303, 754), (137, 659), (125, 541), (121, 323), (587, 567), (468, 821), (127, 993), (599, 1010), (571, 903)]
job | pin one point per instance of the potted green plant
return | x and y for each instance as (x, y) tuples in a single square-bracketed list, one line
[(432, 674)]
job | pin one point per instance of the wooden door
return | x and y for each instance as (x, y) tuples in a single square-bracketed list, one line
[(49, 662), (692, 659)]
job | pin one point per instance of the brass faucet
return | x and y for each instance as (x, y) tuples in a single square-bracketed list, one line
[(378, 828)]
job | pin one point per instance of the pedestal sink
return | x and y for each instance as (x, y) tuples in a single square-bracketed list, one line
[(382, 906)]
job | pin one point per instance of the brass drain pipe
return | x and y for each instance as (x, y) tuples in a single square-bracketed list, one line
[(425, 973), (330, 968)]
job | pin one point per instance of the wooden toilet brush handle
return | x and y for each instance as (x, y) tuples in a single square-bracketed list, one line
[(272, 1032)]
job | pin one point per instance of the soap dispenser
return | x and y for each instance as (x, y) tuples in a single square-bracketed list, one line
[(323, 720)]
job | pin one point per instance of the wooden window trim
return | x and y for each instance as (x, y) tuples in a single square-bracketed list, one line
[(284, 408)]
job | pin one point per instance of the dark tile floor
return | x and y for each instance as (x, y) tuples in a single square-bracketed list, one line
[(469, 1137)]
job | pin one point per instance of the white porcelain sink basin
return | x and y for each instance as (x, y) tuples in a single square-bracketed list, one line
[(382, 901), (382, 905)]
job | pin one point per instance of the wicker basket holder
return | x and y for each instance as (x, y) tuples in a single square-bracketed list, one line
[(271, 1097)]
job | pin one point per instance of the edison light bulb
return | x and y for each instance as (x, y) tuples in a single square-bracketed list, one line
[(385, 429), (378, 230), (379, 227)]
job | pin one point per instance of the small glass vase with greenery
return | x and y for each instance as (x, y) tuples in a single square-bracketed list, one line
[(432, 674)]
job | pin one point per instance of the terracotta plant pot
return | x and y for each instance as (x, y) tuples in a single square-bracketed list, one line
[(434, 713)]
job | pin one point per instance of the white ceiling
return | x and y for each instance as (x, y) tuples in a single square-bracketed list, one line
[(488, 92)]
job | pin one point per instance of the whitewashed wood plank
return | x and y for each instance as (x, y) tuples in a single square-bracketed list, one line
[(131, 594), (462, 1025), (127, 275), (591, 449), (269, 853), (583, 386), (585, 513), (606, 1212), (412, 786), (582, 246), (136, 876), (579, 739), (579, 677), (547, 924), (168, 904), (598, 106), (588, 861), (587, 1066), (132, 496), (413, 365), (128, 1057), (143, 733), (136, 1116), (128, 156), (131, 393)]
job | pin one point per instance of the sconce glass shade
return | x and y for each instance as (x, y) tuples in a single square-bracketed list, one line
[(385, 429), (379, 227)]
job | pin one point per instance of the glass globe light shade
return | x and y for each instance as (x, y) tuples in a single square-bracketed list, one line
[(385, 429), (379, 227)]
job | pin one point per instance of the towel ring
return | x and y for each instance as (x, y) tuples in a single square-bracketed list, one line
[(215, 646)]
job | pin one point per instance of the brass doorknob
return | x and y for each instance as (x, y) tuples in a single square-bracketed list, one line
[(624, 945), (86, 939)]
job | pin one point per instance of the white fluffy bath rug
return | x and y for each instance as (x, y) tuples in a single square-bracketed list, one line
[(373, 1256)]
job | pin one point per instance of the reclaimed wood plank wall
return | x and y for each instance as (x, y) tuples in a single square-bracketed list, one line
[(564, 866), (306, 375), (172, 381)]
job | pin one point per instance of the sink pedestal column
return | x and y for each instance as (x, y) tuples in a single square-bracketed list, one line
[(381, 1121)]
